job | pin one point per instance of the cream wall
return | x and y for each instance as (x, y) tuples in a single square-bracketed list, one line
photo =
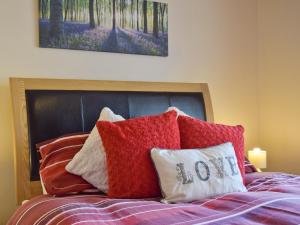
[(212, 41), (279, 83)]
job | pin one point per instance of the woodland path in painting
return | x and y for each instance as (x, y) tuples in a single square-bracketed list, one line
[(80, 36), (123, 26)]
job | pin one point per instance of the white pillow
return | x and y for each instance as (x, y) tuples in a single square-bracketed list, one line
[(43, 186), (90, 161), (194, 174), (179, 112)]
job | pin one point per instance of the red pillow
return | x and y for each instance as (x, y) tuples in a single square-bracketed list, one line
[(131, 173), (55, 156), (41, 144), (196, 133), (249, 167)]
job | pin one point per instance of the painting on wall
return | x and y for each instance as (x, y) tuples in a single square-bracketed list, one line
[(120, 26)]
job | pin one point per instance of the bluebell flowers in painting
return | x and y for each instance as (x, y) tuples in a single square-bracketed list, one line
[(122, 26)]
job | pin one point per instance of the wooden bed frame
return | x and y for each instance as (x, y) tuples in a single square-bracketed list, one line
[(27, 189)]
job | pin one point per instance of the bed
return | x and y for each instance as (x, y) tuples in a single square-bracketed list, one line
[(40, 106)]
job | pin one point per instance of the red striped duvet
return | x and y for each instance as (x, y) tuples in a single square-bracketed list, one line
[(272, 199)]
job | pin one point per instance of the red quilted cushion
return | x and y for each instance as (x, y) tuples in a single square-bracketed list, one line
[(56, 154), (131, 173), (195, 133)]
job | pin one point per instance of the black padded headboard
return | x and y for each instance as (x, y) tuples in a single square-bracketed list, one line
[(55, 113)]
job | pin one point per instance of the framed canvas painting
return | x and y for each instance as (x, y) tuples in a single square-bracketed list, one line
[(120, 26)]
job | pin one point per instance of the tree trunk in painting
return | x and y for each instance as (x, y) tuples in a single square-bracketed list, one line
[(145, 9), (114, 14), (119, 12), (97, 10), (66, 9), (132, 23), (76, 10), (155, 19), (137, 16), (56, 19), (72, 10), (91, 12), (123, 7), (46, 8), (162, 12), (43, 8)]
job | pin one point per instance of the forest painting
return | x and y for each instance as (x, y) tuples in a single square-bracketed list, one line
[(122, 26)]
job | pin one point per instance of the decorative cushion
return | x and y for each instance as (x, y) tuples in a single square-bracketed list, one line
[(249, 167), (194, 174), (90, 161), (43, 186), (55, 156), (195, 133), (40, 144), (178, 111), (131, 173), (43, 143)]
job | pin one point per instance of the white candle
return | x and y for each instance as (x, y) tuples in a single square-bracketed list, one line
[(258, 158)]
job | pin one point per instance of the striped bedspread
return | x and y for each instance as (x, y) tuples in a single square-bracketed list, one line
[(272, 199)]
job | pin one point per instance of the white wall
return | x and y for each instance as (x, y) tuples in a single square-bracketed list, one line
[(212, 41), (279, 83)]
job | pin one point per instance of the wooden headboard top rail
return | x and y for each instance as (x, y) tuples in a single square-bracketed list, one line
[(26, 188)]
